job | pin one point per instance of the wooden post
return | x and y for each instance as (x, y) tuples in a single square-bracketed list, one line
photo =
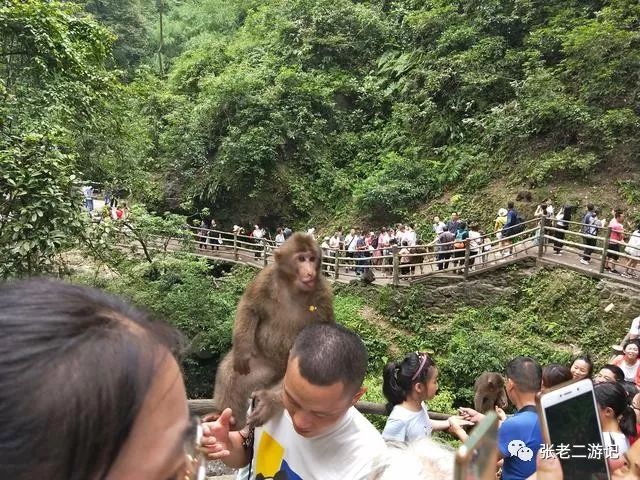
[(605, 247), (467, 253), (264, 253), (235, 246), (396, 266), (336, 271), (541, 238)]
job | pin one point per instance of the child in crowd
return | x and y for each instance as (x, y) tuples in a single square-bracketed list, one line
[(407, 384)]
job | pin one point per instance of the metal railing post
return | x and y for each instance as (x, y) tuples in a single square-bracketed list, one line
[(396, 266), (235, 246), (605, 247)]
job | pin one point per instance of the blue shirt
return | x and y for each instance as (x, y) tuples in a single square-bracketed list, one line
[(523, 427)]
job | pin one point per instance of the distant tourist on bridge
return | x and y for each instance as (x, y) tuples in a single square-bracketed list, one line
[(616, 236), (589, 231)]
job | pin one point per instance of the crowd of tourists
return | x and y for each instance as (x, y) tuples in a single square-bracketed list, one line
[(367, 249), (123, 412)]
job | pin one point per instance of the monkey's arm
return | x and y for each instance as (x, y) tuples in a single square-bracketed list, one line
[(244, 335), (267, 402)]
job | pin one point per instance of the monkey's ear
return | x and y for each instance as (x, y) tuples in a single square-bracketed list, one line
[(277, 255)]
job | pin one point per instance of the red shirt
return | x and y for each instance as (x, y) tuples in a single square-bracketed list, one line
[(617, 231)]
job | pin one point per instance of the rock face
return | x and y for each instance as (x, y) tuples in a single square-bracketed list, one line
[(219, 471), (442, 296)]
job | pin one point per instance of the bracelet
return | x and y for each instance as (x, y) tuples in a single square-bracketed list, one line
[(247, 437)]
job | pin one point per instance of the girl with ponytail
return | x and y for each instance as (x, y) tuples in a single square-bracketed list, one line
[(407, 384), (616, 416)]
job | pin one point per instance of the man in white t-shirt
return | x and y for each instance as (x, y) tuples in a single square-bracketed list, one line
[(319, 435)]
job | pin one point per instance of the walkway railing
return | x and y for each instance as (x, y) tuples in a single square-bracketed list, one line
[(538, 238)]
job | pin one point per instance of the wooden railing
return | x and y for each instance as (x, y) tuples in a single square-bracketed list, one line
[(203, 407), (538, 239)]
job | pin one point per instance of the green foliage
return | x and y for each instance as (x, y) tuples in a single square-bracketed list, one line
[(40, 207), (568, 161), (343, 108), (52, 83)]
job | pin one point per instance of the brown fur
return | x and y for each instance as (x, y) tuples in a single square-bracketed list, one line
[(271, 313), (489, 392)]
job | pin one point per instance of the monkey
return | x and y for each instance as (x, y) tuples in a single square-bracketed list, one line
[(489, 392), (286, 296)]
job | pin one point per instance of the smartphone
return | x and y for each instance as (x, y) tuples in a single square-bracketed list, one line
[(476, 459), (571, 428)]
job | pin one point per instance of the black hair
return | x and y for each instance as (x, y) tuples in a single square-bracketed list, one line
[(405, 243), (526, 373), (75, 368), (586, 358), (510, 205), (590, 207), (555, 374), (618, 374), (633, 341), (630, 389), (567, 212), (328, 353), (614, 396), (398, 377)]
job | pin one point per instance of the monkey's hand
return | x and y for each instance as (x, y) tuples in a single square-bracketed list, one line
[(241, 363), (266, 404)]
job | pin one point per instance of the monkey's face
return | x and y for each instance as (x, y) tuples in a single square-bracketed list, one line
[(306, 267)]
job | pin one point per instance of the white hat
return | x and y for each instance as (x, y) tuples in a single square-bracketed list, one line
[(502, 212)]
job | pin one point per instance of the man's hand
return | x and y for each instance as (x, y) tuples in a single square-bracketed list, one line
[(470, 414), (501, 415), (215, 439)]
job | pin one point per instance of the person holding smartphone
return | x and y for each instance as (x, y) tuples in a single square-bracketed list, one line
[(524, 379)]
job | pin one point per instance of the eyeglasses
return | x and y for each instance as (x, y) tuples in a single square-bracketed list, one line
[(196, 467)]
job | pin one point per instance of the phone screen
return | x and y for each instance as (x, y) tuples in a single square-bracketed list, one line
[(477, 460), (573, 423)]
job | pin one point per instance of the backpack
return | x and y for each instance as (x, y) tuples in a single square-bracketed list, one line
[(518, 227)]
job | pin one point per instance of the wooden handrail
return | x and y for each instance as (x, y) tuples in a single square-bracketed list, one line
[(203, 407)]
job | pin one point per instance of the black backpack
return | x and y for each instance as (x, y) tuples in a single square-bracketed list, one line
[(519, 225)]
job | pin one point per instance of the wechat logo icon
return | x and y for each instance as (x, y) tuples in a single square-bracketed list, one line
[(517, 448)]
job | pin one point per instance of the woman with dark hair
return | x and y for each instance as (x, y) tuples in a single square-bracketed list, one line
[(407, 384), (89, 389), (582, 367), (562, 222), (555, 374), (616, 416)]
